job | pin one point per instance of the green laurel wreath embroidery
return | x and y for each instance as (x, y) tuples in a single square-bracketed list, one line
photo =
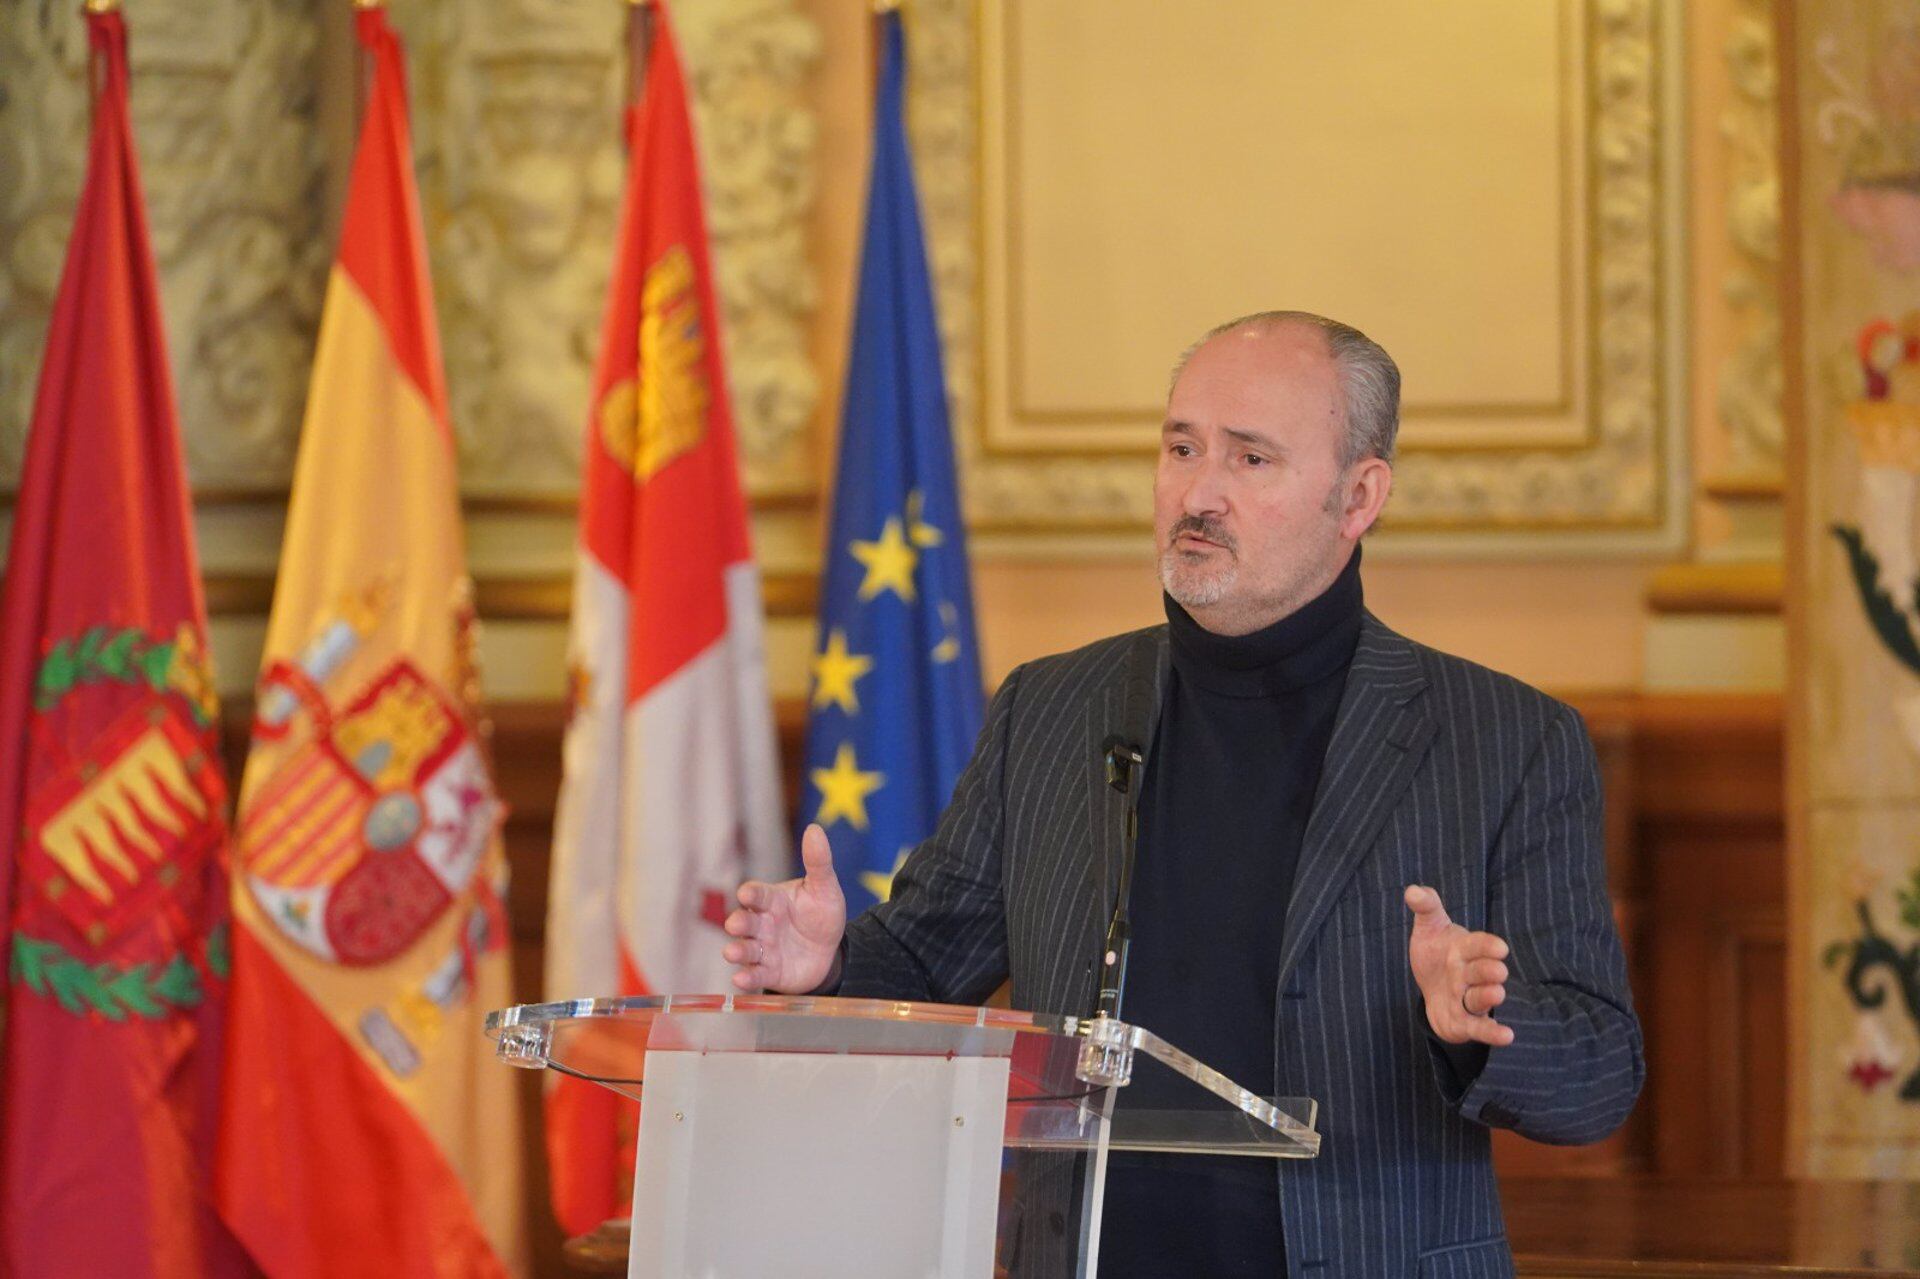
[(101, 653), (79, 987)]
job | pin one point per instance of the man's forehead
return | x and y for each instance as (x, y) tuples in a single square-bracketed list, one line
[(1279, 345), (1242, 378)]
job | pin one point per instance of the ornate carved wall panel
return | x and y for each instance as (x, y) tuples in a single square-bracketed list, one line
[(516, 109), (1750, 376), (1488, 189), (749, 60), (224, 114)]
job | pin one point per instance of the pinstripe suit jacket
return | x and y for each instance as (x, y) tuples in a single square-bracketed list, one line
[(1438, 772)]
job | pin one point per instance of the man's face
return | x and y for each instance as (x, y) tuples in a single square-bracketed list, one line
[(1253, 513)]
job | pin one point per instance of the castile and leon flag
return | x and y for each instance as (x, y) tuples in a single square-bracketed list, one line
[(671, 793)]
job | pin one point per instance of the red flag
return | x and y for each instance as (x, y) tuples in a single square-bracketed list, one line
[(671, 794), (112, 826)]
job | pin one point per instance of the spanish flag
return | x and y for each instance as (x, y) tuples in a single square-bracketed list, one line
[(671, 791), (366, 1128)]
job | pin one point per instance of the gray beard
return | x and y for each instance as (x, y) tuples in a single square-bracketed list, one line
[(1190, 591)]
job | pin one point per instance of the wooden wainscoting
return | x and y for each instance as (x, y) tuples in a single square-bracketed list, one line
[(1709, 840), (1696, 857)]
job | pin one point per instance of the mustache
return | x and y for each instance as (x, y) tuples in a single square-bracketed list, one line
[(1202, 527)]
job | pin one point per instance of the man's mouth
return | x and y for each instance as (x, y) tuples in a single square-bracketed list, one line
[(1196, 541)]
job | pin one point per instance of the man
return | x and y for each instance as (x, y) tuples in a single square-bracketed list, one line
[(1308, 772)]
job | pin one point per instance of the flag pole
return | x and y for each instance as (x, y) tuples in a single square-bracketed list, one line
[(362, 68), (91, 7), (639, 46), (877, 44)]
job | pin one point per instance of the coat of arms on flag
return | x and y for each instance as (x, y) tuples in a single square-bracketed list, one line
[(138, 807), (108, 835), (378, 810)]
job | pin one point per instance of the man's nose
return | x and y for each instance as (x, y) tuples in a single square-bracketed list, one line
[(1207, 492)]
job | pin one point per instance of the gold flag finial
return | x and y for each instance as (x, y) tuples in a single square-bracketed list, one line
[(102, 6), (885, 6), (369, 4)]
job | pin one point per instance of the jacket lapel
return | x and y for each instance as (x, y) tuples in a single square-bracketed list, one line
[(1380, 734)]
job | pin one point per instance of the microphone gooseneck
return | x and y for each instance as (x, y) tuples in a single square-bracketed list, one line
[(1123, 761)]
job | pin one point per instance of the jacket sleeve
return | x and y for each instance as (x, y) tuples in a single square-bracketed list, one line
[(1576, 1064), (942, 936)]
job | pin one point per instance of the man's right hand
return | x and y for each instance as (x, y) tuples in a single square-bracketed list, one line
[(789, 934)]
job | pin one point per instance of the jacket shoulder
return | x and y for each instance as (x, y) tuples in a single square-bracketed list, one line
[(1081, 672), (1458, 687)]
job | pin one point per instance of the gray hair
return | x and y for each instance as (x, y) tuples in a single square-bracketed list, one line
[(1368, 376)]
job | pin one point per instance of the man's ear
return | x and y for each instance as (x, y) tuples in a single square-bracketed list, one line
[(1367, 487)]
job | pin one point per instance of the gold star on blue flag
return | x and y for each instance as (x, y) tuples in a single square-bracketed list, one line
[(896, 607), (881, 885)]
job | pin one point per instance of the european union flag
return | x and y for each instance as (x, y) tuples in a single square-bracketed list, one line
[(897, 697)]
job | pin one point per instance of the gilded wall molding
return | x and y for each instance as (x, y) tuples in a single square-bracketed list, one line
[(1616, 491), (1750, 382), (507, 597), (1622, 482), (516, 110), (224, 114)]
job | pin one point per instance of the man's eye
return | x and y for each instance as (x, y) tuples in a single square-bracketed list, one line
[(1254, 459), (1180, 450)]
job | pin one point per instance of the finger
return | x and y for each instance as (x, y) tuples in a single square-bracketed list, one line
[(753, 979), (1483, 972), (1482, 946), (748, 951), (754, 959), (1485, 1030), (1481, 1000), (816, 854), (755, 895), (743, 923), (1426, 907)]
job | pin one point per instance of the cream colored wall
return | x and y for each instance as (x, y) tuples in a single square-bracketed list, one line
[(1561, 627), (1568, 624)]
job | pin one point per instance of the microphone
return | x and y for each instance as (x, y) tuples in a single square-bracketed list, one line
[(1123, 758)]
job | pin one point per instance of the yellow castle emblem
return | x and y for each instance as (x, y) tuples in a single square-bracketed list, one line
[(649, 425)]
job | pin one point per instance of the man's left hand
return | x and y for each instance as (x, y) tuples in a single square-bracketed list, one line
[(1462, 975)]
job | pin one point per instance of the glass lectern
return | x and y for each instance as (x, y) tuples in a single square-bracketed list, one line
[(799, 1136)]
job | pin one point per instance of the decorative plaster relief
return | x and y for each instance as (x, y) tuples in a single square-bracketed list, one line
[(224, 116), (1750, 382), (516, 109), (517, 125)]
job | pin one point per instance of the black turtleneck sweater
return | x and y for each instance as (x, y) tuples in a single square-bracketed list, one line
[(1229, 785)]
